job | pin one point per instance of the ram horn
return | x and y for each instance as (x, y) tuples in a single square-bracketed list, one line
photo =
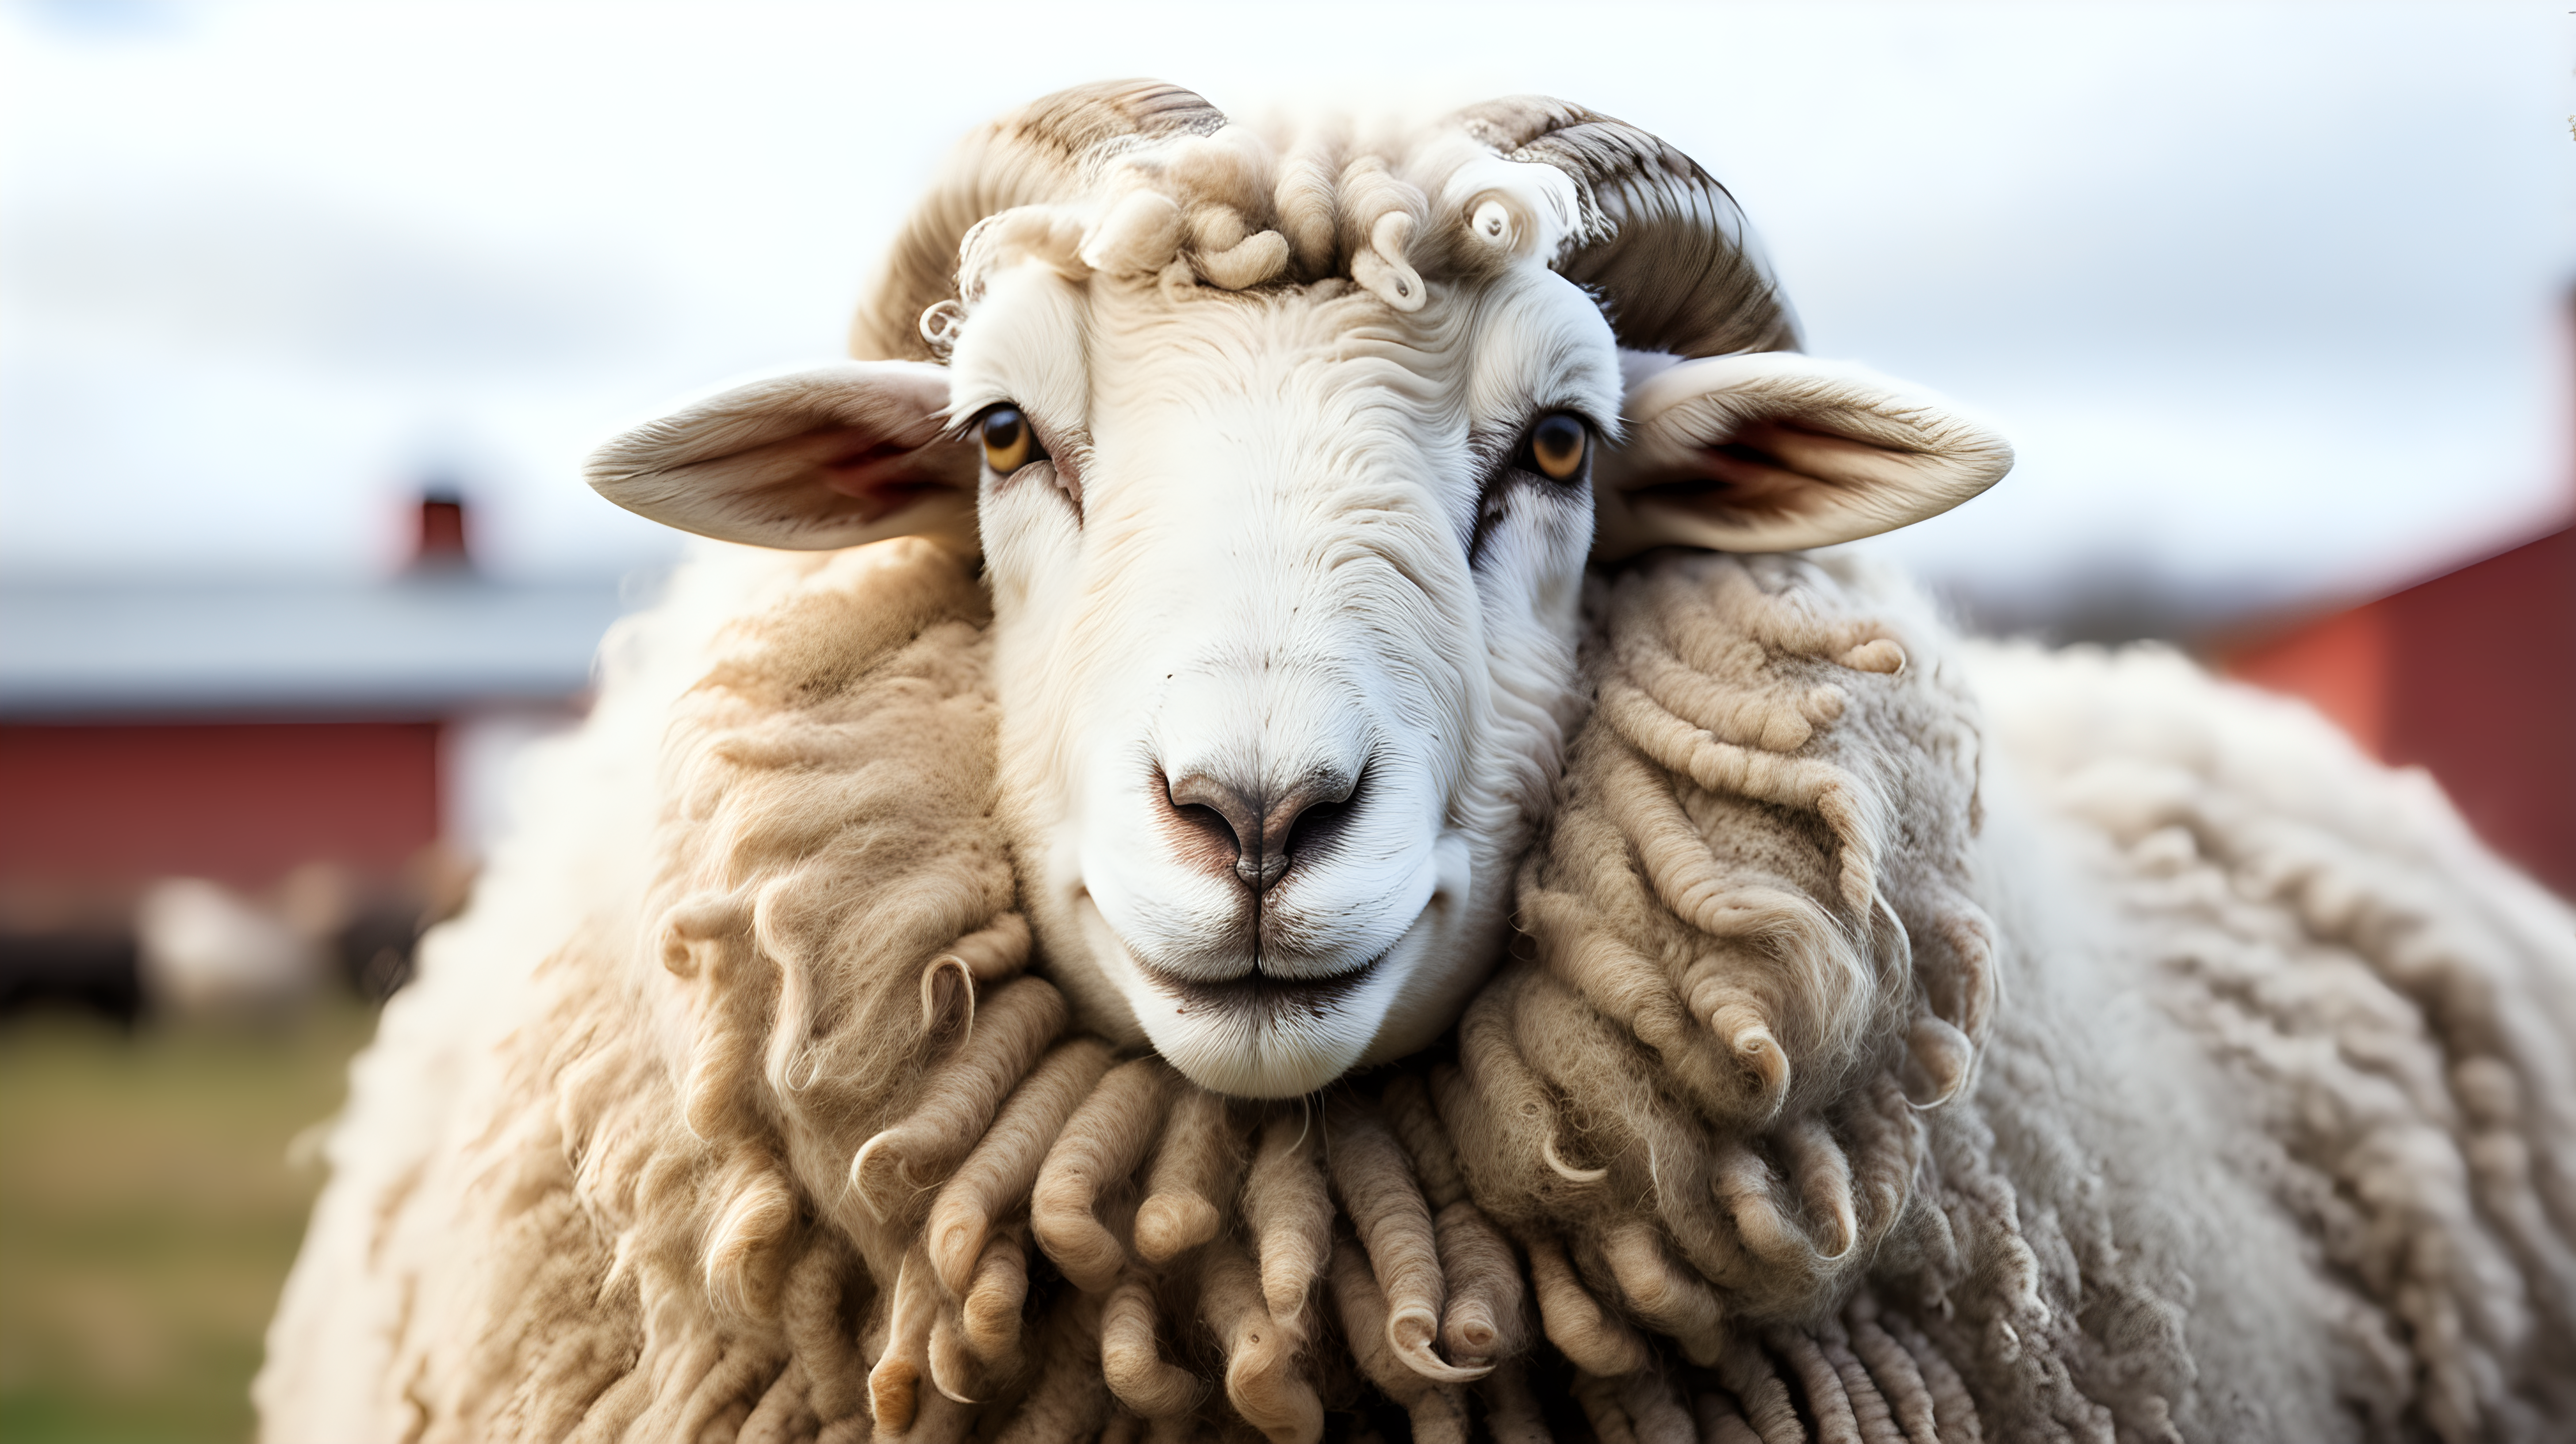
[(1656, 238), (1032, 156)]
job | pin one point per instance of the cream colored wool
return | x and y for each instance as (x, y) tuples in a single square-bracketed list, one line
[(625, 1201), (2267, 1125), (1908, 1041), (1725, 1012)]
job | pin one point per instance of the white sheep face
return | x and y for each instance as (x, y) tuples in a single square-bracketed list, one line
[(1285, 640), (1285, 596)]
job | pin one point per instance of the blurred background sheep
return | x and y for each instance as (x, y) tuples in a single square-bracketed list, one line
[(309, 317)]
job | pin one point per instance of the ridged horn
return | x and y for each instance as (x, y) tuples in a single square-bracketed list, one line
[(1032, 156), (1657, 238)]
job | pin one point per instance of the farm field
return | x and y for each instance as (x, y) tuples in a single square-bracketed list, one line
[(148, 1214)]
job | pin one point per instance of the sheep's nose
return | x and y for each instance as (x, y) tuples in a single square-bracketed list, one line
[(1267, 830)]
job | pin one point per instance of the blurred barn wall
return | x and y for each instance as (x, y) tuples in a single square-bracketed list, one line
[(243, 803), (2470, 675)]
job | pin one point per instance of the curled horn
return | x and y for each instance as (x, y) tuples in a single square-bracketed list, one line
[(1032, 156), (1657, 238)]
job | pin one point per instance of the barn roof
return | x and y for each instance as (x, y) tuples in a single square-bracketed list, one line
[(426, 644)]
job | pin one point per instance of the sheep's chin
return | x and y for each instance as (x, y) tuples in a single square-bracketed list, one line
[(1260, 1042)]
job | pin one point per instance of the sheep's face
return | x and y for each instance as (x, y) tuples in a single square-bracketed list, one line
[(1286, 561), (1285, 603)]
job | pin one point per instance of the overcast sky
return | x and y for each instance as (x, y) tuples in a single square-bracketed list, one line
[(2268, 296)]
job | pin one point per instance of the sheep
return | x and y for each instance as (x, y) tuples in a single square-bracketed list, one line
[(1892, 1037)]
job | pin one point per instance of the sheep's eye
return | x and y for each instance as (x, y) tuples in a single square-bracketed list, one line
[(1557, 445), (1009, 444)]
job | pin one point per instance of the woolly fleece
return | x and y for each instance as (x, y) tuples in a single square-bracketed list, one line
[(1906, 1039)]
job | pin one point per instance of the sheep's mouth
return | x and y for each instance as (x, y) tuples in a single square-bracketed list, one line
[(1265, 997)]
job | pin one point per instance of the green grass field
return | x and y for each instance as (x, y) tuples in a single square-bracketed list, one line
[(148, 1214)]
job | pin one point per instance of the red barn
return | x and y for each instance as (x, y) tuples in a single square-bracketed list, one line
[(238, 731), (2471, 675)]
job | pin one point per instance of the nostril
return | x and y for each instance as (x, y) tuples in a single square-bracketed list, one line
[(1300, 824), (1320, 825), (1209, 821), (1223, 816)]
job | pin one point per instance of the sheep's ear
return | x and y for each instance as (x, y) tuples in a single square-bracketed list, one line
[(842, 454), (1775, 451)]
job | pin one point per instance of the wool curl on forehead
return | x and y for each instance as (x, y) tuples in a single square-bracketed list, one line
[(1234, 212)]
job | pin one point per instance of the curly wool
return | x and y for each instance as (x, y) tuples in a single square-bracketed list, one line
[(1906, 1041), (1755, 953), (2386, 1006), (1208, 203), (2266, 1128), (635, 1209)]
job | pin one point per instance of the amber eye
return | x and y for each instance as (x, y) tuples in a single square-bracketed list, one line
[(1556, 446), (1008, 442)]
